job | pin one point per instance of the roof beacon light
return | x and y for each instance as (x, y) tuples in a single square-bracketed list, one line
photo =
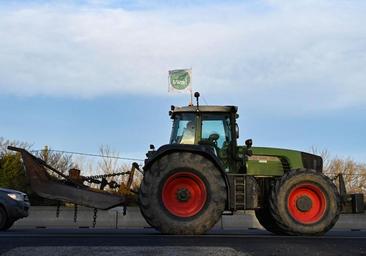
[(197, 96)]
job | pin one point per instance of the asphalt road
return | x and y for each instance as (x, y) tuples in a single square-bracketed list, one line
[(148, 242)]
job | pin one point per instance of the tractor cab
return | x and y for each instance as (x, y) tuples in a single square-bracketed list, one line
[(214, 126)]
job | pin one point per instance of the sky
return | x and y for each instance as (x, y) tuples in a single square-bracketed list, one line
[(78, 74)]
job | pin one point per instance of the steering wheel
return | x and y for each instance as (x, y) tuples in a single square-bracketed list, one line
[(214, 138)]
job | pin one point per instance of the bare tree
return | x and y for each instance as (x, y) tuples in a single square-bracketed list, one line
[(4, 143), (58, 160), (110, 163), (324, 153), (85, 164), (354, 173)]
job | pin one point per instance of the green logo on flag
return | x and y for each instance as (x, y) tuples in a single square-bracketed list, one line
[(179, 79)]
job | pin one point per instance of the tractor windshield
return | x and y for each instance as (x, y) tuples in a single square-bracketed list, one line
[(183, 129)]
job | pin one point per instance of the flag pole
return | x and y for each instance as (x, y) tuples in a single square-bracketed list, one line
[(190, 72), (191, 103)]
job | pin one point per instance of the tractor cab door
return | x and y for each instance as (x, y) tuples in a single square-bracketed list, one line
[(216, 130), (184, 129)]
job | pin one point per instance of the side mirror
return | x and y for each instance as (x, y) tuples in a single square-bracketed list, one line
[(237, 130), (249, 143)]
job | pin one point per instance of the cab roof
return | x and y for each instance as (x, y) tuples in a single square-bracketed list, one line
[(205, 108)]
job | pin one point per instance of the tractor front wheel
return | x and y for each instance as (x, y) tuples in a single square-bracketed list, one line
[(182, 193), (305, 202), (267, 221)]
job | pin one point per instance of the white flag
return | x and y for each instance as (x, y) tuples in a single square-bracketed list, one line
[(180, 80)]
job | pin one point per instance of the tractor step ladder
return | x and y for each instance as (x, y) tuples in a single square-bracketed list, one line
[(240, 192), (244, 192)]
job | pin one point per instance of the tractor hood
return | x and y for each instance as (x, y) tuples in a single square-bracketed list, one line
[(295, 159)]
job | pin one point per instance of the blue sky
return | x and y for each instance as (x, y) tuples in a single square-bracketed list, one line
[(75, 75)]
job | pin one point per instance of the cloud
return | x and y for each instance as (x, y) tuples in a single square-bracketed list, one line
[(311, 53)]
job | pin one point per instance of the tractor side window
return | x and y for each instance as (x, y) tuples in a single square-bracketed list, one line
[(215, 125), (183, 131)]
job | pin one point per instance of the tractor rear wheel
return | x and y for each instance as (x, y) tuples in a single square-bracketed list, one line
[(305, 202), (182, 193)]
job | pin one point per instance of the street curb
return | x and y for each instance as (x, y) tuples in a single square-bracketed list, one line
[(45, 217)]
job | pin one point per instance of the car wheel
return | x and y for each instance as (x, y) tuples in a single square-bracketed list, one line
[(3, 219), (9, 224)]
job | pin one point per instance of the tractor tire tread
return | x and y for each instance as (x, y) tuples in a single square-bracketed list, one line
[(277, 212), (154, 213)]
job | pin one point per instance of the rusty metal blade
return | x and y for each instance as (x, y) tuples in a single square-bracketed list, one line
[(49, 187)]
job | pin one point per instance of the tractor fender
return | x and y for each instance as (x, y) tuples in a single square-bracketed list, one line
[(202, 150)]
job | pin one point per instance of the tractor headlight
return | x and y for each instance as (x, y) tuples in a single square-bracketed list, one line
[(17, 197)]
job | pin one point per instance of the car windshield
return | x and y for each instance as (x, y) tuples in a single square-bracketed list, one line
[(183, 131)]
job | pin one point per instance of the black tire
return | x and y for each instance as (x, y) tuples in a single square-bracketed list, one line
[(9, 224), (174, 167), (267, 221), (143, 212), (3, 219), (305, 202)]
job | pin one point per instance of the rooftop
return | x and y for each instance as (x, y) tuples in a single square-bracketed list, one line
[(205, 108)]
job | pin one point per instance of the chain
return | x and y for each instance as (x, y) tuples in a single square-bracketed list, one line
[(124, 210), (106, 175), (58, 209), (95, 217), (75, 213)]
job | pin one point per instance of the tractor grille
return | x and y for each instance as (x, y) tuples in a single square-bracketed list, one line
[(285, 165), (311, 161)]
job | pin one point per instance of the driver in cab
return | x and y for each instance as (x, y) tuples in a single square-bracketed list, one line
[(188, 133)]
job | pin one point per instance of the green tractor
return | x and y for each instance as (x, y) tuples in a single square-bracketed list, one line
[(204, 173)]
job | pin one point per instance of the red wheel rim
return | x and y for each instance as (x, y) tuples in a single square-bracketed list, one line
[(184, 194), (306, 203)]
